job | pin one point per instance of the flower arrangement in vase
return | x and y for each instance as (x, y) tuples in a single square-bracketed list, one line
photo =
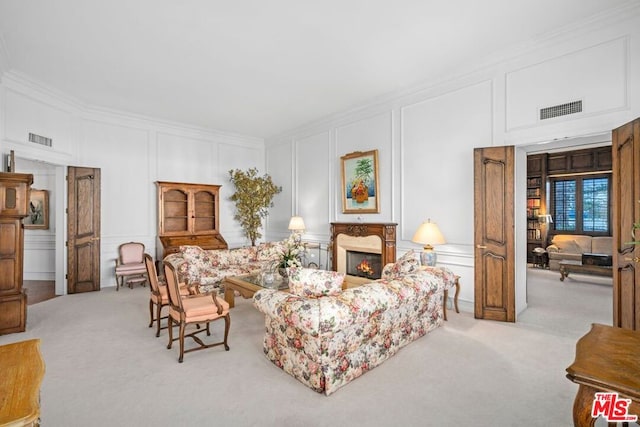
[(291, 254)]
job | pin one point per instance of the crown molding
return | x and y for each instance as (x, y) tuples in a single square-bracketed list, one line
[(26, 85)]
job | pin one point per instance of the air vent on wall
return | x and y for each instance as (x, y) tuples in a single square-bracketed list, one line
[(561, 110), (42, 140)]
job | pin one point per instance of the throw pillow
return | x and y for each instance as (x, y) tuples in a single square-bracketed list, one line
[(407, 263), (569, 246), (311, 283)]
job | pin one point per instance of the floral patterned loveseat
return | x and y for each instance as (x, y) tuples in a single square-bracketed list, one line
[(210, 267), (326, 337)]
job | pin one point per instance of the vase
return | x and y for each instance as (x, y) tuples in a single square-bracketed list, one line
[(283, 272)]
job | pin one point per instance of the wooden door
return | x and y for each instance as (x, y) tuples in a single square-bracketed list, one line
[(83, 230), (494, 284), (626, 212)]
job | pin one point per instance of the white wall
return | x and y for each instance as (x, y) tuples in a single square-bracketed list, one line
[(426, 136), (132, 152)]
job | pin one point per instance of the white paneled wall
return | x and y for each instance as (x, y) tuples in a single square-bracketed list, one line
[(438, 138), (39, 259), (312, 184), (572, 77), (426, 136), (364, 134), (132, 153)]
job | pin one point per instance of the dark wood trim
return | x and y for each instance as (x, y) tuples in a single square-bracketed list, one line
[(385, 230)]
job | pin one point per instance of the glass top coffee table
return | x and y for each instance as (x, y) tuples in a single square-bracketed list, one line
[(249, 284)]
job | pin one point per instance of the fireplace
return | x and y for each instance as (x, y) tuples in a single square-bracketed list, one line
[(364, 264), (351, 243)]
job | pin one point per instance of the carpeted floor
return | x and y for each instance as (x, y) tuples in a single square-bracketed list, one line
[(106, 368)]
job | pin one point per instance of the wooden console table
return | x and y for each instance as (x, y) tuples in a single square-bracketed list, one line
[(20, 377), (607, 360)]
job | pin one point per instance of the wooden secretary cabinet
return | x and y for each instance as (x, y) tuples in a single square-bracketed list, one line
[(188, 214), (14, 203)]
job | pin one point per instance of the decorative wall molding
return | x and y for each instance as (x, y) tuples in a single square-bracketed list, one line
[(465, 74), (566, 94)]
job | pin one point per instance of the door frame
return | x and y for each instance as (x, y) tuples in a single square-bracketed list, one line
[(579, 142)]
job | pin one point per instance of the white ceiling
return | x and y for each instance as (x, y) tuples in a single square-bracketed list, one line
[(261, 67)]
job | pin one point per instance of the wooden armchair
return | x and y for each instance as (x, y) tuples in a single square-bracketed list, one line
[(159, 297), (130, 262), (193, 309)]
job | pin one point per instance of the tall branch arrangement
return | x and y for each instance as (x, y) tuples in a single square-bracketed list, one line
[(253, 197)]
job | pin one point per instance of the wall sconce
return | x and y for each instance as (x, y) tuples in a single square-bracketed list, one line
[(428, 234)]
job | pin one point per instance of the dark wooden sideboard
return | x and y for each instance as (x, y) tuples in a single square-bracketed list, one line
[(14, 203)]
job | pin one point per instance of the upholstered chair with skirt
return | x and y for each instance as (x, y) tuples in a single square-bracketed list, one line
[(130, 262)]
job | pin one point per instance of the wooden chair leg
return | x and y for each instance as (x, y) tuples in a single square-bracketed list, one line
[(170, 327), (158, 319), (227, 323), (182, 326), (150, 313)]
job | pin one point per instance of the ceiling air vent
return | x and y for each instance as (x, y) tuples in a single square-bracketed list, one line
[(561, 110), (42, 140)]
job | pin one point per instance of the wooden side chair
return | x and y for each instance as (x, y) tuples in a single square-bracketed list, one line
[(159, 297), (193, 309), (130, 262)]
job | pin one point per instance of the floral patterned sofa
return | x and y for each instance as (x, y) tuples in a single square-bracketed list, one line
[(210, 267), (326, 337)]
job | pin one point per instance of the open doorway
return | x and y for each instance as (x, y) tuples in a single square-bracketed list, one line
[(44, 250), (570, 305)]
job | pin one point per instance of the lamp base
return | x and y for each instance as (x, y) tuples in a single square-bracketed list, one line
[(429, 258)]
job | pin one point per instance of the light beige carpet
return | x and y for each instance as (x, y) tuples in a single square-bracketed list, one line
[(106, 368)]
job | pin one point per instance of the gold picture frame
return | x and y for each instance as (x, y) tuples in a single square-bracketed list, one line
[(38, 218), (360, 183)]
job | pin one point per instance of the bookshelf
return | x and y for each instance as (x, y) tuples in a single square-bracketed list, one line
[(536, 202)]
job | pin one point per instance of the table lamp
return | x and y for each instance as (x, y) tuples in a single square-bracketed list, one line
[(428, 234), (296, 225)]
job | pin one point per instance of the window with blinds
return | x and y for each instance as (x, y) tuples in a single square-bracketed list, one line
[(564, 206), (581, 204), (595, 204)]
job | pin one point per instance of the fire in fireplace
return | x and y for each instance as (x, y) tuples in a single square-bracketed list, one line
[(364, 264)]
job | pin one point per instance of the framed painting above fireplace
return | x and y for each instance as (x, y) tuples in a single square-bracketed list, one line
[(360, 188)]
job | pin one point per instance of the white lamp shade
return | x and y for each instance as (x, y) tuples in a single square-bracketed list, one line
[(428, 234), (296, 223)]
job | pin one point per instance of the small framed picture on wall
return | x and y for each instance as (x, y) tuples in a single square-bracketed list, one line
[(38, 217)]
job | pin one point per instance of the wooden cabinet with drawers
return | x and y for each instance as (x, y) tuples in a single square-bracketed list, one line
[(14, 204), (188, 214)]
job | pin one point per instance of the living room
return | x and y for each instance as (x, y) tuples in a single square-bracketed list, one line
[(426, 131), (432, 128)]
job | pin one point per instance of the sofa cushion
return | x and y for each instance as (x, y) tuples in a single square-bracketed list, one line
[(197, 260), (602, 245), (407, 263), (572, 243), (307, 282), (240, 255)]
